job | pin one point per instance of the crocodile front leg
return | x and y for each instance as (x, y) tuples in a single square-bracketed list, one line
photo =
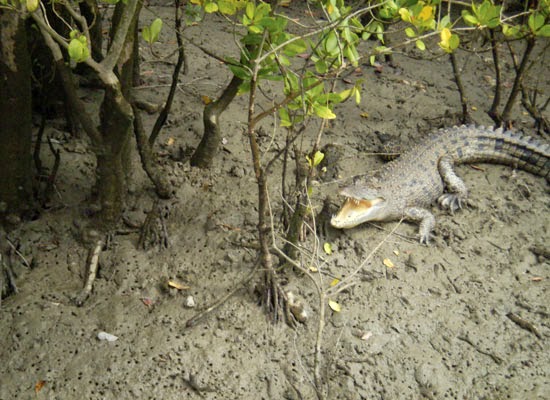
[(457, 192), (426, 220)]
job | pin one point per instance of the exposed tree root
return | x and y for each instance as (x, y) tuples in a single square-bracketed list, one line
[(275, 300), (154, 232), (92, 266), (8, 253), (7, 278)]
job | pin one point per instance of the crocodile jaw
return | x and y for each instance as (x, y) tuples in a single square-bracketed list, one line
[(356, 211)]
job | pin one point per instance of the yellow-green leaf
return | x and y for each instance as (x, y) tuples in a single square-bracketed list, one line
[(470, 19), (250, 9), (296, 47), (228, 7), (405, 14), (32, 5), (410, 32), (284, 117), (78, 51), (420, 45), (211, 7), (151, 33), (327, 247), (357, 93), (449, 41), (454, 41), (146, 34), (511, 30), (323, 112), (544, 31), (331, 42), (317, 158), (351, 54), (344, 94), (535, 22)]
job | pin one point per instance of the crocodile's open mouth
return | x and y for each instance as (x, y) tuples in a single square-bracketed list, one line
[(353, 212), (352, 205)]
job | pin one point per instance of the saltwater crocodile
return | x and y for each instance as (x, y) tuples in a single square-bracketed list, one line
[(406, 187)]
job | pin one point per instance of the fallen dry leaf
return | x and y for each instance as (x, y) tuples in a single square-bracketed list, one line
[(39, 385), (178, 285), (229, 227), (334, 306), (388, 263)]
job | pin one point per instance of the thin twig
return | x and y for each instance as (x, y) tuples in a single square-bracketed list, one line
[(193, 321), (161, 120), (493, 111), (21, 256), (38, 145), (51, 178), (458, 81), (524, 324), (119, 39), (346, 281), (520, 72)]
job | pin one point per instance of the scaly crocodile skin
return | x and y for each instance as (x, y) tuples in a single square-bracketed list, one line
[(406, 187)]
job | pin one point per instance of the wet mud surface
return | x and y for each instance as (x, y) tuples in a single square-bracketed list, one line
[(466, 318)]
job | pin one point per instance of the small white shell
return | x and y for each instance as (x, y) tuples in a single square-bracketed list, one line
[(106, 336), (190, 302)]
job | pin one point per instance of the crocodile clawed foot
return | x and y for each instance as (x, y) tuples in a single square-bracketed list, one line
[(451, 201), (425, 239), (425, 235)]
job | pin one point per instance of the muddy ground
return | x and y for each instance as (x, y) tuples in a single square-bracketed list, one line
[(436, 325)]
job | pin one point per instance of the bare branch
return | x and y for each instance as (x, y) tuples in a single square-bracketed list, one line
[(120, 35)]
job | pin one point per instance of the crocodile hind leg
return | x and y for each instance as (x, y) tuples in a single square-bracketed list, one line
[(457, 193), (426, 220)]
